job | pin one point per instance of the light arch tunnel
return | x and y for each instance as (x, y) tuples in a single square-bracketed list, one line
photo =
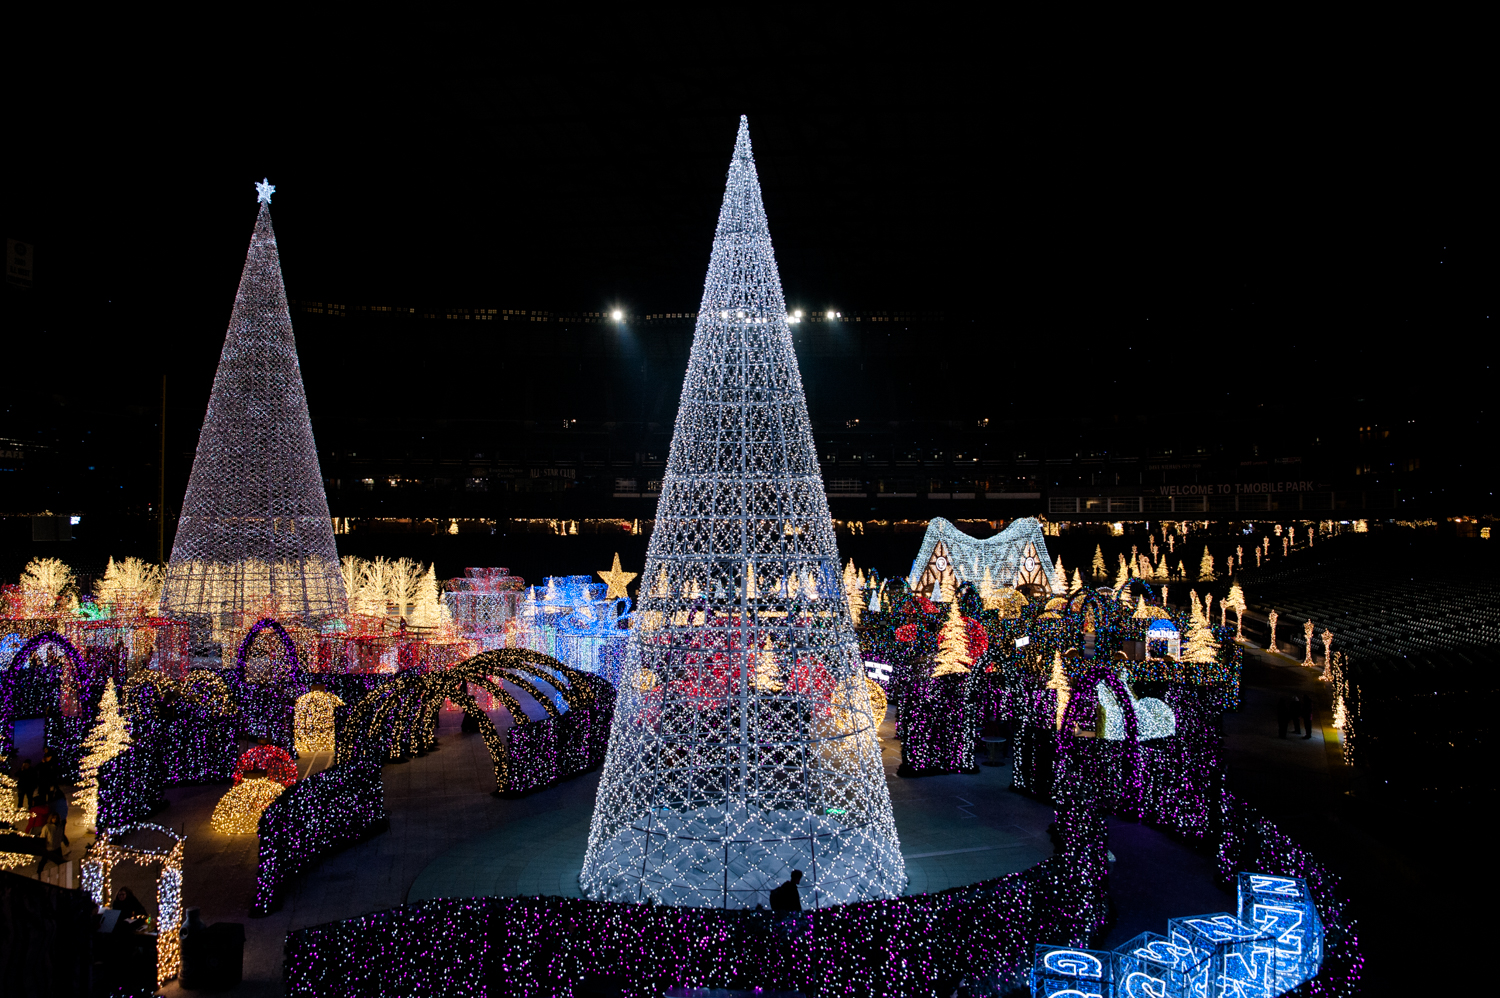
[(559, 716)]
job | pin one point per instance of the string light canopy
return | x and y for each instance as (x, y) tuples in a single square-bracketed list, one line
[(751, 751), (255, 525)]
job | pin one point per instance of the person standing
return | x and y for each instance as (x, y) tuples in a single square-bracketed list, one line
[(1307, 713), (56, 840)]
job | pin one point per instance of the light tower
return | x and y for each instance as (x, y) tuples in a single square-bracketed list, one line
[(744, 744), (255, 534)]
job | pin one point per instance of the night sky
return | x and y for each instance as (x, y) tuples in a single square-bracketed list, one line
[(1189, 212)]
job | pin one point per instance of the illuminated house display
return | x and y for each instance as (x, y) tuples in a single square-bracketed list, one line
[(744, 743), (255, 536), (1015, 557)]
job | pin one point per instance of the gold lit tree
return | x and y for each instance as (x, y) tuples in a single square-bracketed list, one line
[(130, 586), (108, 738), (953, 645), (1058, 681), (1202, 646), (45, 582), (1206, 567), (1098, 566)]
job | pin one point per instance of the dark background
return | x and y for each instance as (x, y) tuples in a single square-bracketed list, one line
[(1238, 241)]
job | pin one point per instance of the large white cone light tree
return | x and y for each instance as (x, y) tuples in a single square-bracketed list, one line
[(744, 744)]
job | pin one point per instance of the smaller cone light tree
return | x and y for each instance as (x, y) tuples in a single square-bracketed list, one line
[(1098, 566), (1206, 567), (1201, 645), (1236, 601), (1123, 575), (427, 607), (107, 739), (1062, 576), (767, 672), (1059, 682), (1077, 580), (953, 645)]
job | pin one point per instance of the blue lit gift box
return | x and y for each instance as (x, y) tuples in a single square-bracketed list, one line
[(1283, 908), (1150, 967), (1065, 972), (1227, 957)]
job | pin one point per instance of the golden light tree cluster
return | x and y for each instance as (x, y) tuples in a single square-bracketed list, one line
[(399, 585), (130, 587)]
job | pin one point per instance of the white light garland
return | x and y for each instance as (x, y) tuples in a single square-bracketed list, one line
[(718, 785)]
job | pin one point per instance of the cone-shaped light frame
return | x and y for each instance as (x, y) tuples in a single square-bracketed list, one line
[(255, 535), (744, 744)]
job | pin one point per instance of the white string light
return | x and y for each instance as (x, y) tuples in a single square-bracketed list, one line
[(255, 535), (716, 786)]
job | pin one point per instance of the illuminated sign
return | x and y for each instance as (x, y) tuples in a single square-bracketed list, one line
[(1271, 946)]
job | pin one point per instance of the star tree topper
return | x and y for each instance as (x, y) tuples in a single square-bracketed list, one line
[(263, 191), (617, 579)]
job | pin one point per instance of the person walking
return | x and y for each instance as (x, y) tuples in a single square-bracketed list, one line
[(56, 840), (1307, 713), (50, 788), (787, 897)]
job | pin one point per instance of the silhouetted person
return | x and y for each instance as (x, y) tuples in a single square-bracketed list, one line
[(787, 897), (1284, 711), (1307, 712), (128, 905)]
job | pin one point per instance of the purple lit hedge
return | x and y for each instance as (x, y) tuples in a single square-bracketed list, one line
[(939, 720), (316, 816), (902, 946)]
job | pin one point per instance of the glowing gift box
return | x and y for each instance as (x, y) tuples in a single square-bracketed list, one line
[(1228, 957), (1283, 908), (1064, 972), (1150, 967)]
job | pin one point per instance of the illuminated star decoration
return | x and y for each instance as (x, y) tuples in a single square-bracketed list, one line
[(263, 191), (617, 580)]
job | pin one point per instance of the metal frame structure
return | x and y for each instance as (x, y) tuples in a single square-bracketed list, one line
[(255, 535), (744, 744)]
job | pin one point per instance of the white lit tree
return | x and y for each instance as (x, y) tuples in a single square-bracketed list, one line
[(742, 490), (1206, 567), (428, 609), (1061, 576), (1098, 566), (1123, 575), (953, 646), (1077, 580), (106, 739)]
